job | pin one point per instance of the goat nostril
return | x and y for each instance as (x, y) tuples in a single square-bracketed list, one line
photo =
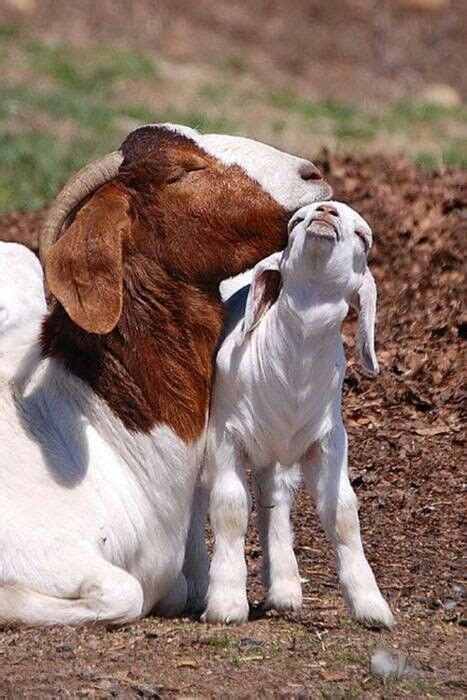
[(310, 172), (328, 210)]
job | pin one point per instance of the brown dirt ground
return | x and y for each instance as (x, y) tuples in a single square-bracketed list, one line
[(406, 464), (361, 51)]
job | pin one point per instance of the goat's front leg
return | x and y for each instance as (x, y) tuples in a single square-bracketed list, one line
[(326, 475), (229, 509), (274, 490)]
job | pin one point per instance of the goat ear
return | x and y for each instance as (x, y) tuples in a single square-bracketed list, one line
[(365, 302), (84, 268), (264, 290)]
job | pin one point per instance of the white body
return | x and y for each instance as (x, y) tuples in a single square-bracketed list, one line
[(94, 518), (277, 408)]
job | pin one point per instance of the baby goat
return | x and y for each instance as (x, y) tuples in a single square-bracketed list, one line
[(277, 401)]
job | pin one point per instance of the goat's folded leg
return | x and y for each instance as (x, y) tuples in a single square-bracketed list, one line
[(326, 475), (274, 491), (196, 564), (102, 593), (229, 509)]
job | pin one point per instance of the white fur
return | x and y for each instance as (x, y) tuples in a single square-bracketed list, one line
[(22, 305), (277, 401), (278, 173), (94, 518)]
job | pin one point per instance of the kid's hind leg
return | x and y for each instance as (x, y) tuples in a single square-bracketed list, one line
[(326, 475), (105, 594), (274, 491)]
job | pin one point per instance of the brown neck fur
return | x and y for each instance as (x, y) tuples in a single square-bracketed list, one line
[(156, 366), (186, 222)]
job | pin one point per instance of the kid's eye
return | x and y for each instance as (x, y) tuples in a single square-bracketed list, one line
[(363, 237), (294, 223)]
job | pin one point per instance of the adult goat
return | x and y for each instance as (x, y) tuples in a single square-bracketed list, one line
[(102, 428)]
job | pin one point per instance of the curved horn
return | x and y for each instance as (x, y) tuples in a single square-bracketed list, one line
[(86, 181)]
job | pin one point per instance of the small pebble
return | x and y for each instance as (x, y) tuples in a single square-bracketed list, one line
[(388, 665)]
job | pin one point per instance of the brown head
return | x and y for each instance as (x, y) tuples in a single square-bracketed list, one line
[(163, 222)]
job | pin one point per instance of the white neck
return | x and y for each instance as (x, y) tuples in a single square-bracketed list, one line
[(311, 309)]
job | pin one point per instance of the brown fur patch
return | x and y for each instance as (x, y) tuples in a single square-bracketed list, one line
[(272, 286), (194, 222)]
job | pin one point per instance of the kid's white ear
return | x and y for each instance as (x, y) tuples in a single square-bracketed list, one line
[(264, 290), (364, 301)]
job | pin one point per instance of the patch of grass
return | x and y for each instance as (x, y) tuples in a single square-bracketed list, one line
[(68, 105), (406, 122), (346, 623), (91, 69), (33, 167), (427, 112), (8, 31), (219, 642), (348, 655), (454, 154), (294, 103)]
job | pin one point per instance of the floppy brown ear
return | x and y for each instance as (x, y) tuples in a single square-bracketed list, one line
[(84, 268)]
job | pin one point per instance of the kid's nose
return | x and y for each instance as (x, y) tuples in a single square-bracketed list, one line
[(328, 209)]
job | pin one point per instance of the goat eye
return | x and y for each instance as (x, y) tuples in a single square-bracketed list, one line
[(364, 239), (294, 223), (175, 175)]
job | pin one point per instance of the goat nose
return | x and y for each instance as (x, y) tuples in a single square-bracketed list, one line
[(328, 209), (308, 171)]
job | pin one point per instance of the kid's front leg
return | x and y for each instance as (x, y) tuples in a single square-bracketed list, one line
[(326, 475), (229, 510)]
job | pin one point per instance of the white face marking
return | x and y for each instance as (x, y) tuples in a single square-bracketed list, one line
[(278, 173)]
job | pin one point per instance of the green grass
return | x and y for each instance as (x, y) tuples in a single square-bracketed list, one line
[(403, 121), (218, 641), (62, 106)]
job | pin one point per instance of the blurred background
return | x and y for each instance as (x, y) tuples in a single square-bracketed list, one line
[(354, 76), (374, 91)]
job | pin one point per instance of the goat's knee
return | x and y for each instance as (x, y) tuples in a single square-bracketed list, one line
[(229, 507)]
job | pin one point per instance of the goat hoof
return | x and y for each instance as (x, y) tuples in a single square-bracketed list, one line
[(285, 596), (373, 611), (231, 611)]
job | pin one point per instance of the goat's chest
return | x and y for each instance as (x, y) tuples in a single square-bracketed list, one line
[(286, 405)]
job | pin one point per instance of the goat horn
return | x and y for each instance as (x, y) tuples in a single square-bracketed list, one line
[(86, 181)]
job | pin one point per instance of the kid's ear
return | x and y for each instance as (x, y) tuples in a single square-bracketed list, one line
[(264, 290), (364, 301), (84, 268)]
